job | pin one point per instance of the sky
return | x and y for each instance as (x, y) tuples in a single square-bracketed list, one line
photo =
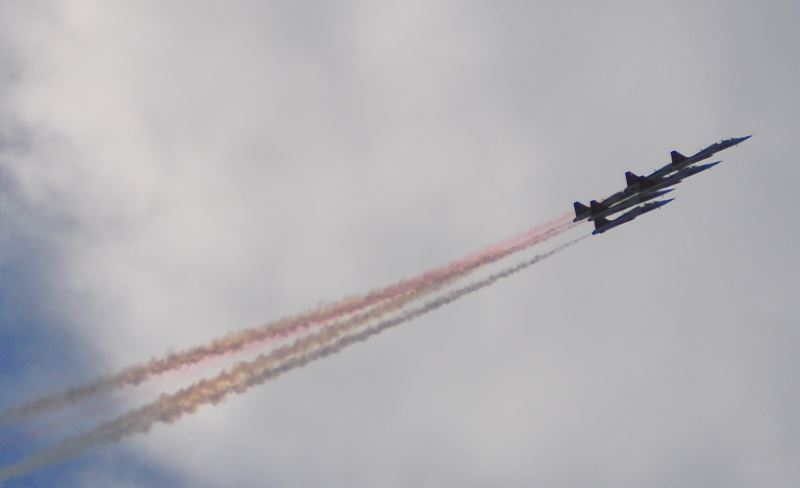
[(171, 172)]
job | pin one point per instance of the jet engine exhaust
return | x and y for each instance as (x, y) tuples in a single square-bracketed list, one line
[(285, 327), (326, 342)]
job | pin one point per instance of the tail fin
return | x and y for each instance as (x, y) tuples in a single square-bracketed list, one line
[(677, 157), (596, 207), (600, 223), (580, 210), (631, 178)]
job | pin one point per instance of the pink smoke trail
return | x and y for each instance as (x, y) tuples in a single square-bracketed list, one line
[(169, 408), (287, 326)]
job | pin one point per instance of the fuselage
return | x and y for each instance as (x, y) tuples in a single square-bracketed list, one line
[(601, 227), (678, 176), (663, 182), (627, 203), (700, 155)]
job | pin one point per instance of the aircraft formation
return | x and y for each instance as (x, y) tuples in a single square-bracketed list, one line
[(294, 341), (646, 189)]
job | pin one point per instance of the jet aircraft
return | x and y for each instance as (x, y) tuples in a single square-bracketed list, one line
[(643, 189), (679, 161), (602, 224), (597, 209), (640, 183), (639, 189)]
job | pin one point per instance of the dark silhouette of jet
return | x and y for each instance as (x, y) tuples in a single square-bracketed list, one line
[(598, 211), (679, 161), (642, 189), (602, 224), (636, 183), (639, 189)]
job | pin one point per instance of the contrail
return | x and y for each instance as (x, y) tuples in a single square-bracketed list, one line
[(285, 327), (169, 408)]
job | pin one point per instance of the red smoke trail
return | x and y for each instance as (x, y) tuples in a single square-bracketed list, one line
[(137, 374), (243, 376), (485, 256)]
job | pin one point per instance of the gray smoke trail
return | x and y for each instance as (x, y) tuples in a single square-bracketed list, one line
[(236, 341), (169, 408)]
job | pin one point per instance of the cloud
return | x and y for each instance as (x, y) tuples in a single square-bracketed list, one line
[(192, 169)]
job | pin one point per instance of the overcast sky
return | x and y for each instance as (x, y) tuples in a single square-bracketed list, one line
[(172, 171)]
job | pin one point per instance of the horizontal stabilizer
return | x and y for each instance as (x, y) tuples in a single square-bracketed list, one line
[(677, 157)]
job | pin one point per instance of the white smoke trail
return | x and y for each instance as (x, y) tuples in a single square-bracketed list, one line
[(169, 408), (137, 374)]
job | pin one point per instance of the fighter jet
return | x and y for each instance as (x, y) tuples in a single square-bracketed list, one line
[(679, 161), (597, 209), (639, 189), (602, 224), (638, 183)]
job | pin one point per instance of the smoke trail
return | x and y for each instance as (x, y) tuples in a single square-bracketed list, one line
[(284, 327), (169, 408)]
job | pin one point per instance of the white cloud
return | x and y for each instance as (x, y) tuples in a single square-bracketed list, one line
[(212, 167)]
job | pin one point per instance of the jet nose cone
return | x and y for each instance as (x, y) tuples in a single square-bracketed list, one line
[(742, 139), (664, 202)]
